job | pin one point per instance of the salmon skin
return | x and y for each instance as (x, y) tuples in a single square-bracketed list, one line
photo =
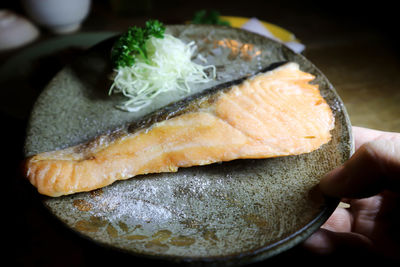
[(275, 113)]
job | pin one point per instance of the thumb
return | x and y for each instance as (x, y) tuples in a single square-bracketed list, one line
[(374, 167)]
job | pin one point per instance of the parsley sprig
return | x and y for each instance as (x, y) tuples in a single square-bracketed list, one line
[(133, 43)]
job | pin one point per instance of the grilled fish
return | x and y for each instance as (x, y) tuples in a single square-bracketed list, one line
[(274, 113)]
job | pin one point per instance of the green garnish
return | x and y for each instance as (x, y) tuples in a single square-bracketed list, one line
[(133, 43), (212, 17)]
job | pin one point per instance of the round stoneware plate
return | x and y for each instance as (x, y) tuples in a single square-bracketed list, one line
[(231, 213)]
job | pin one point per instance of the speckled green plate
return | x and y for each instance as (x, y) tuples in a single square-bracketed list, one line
[(231, 213)]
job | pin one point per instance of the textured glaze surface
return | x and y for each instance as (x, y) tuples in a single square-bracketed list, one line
[(242, 210)]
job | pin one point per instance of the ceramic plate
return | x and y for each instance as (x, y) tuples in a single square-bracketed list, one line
[(236, 212)]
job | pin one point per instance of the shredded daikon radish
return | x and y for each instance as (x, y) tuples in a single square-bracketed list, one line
[(168, 67)]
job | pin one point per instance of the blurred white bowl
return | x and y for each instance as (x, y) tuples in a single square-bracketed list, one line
[(59, 16)]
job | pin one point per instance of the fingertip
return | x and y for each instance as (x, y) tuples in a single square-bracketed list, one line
[(333, 183), (365, 174)]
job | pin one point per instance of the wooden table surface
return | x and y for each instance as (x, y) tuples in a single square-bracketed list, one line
[(354, 46)]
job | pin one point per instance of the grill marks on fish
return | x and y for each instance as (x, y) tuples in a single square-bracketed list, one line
[(276, 113)]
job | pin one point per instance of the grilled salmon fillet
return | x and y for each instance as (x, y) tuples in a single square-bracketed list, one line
[(272, 114)]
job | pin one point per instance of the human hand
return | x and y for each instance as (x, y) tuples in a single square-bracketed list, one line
[(370, 183)]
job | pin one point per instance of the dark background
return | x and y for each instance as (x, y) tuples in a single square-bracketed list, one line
[(355, 43)]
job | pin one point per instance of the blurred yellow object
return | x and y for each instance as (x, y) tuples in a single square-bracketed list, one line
[(278, 32)]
